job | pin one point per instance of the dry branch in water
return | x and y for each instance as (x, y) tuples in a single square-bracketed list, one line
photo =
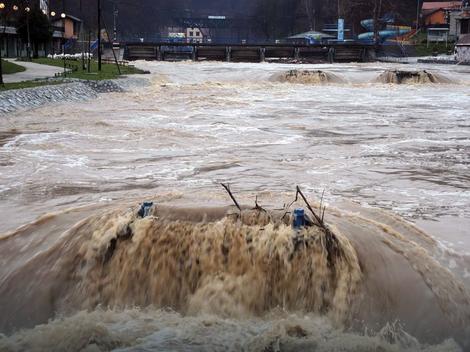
[(227, 188)]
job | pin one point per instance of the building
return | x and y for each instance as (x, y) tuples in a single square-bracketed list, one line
[(69, 26), (463, 21), (462, 49), (66, 32), (194, 35), (63, 29), (453, 15), (10, 42), (310, 37), (440, 19), (438, 35), (429, 7)]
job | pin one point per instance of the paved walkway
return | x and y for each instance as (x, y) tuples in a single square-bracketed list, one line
[(33, 71)]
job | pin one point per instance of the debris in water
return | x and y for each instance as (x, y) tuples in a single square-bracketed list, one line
[(144, 210), (309, 77)]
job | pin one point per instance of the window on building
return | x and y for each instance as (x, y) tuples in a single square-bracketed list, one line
[(191, 34), (465, 26), (198, 34)]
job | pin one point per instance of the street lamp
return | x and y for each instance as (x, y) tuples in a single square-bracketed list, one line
[(28, 9), (62, 15), (3, 14), (2, 8), (99, 35), (417, 15)]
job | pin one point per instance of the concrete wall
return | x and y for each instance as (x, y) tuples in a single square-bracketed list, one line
[(463, 53)]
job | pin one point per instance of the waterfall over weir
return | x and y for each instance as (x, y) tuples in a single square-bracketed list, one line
[(233, 265), (411, 77), (323, 77), (309, 77)]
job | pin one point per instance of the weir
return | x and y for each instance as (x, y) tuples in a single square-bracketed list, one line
[(411, 77), (160, 51), (235, 263)]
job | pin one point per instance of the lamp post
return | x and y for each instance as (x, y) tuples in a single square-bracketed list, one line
[(3, 15), (417, 15), (62, 15), (2, 9), (99, 35), (115, 15), (28, 48)]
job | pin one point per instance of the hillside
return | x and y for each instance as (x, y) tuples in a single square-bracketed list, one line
[(267, 19)]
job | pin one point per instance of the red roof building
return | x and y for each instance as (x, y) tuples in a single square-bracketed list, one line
[(433, 6)]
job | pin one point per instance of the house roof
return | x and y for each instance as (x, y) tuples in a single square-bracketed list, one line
[(431, 6), (311, 34), (73, 18), (464, 40), (431, 12)]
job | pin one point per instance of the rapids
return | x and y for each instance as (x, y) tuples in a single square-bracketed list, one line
[(411, 77), (309, 77), (80, 271)]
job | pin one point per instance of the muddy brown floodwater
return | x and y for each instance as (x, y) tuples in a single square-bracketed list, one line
[(389, 146)]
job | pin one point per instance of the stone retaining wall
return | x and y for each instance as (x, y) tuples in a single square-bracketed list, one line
[(73, 90)]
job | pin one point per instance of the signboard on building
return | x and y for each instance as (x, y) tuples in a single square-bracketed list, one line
[(44, 6), (341, 29)]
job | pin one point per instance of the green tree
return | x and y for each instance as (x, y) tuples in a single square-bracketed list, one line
[(40, 30)]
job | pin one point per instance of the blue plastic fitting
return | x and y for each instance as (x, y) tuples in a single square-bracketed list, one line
[(144, 210), (299, 218)]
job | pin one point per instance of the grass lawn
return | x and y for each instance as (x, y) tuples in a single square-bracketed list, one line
[(108, 71), (434, 48), (27, 84), (9, 67)]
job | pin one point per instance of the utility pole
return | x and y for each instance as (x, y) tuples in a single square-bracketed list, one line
[(376, 23), (417, 15), (64, 16), (99, 35), (1, 66), (28, 9), (2, 16), (82, 36), (2, 8), (115, 14)]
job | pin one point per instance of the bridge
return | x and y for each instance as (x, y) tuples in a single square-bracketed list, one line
[(337, 52)]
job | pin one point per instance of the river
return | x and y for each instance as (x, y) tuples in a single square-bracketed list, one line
[(398, 154)]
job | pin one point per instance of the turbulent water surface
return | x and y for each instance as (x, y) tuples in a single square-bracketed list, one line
[(389, 149)]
